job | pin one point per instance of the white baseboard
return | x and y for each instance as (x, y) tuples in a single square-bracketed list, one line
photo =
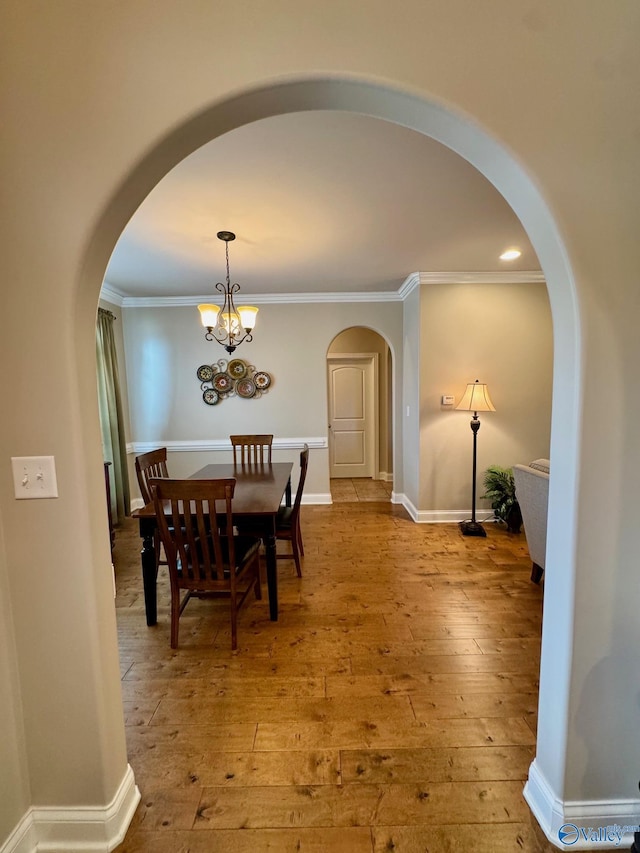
[(83, 829), (429, 516), (23, 839), (607, 824), (385, 476), (320, 498)]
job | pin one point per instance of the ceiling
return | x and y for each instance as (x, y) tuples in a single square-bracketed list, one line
[(320, 202)]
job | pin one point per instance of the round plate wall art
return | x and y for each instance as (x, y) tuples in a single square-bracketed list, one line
[(245, 388), (237, 369), (205, 373), (262, 380), (223, 383), (232, 378)]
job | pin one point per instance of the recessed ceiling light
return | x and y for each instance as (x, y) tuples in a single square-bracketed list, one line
[(510, 254)]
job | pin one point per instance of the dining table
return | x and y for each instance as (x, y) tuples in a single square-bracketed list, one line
[(259, 491)]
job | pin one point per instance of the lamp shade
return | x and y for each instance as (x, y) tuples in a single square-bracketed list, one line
[(476, 399), (247, 316), (209, 315)]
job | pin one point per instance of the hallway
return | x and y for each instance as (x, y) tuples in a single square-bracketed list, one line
[(349, 490)]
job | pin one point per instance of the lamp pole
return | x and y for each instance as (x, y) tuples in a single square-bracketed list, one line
[(473, 528), (475, 399)]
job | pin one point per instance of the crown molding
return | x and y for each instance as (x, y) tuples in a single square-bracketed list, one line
[(260, 299), (497, 277), (111, 294), (114, 295)]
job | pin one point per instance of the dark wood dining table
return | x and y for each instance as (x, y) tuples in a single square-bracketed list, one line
[(257, 497)]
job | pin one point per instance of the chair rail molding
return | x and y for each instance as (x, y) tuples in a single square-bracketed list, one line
[(199, 445)]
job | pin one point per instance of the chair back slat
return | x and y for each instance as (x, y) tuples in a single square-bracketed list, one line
[(195, 523), (251, 449), (199, 557), (151, 465)]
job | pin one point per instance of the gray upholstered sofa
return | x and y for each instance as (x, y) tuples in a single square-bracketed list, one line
[(532, 493)]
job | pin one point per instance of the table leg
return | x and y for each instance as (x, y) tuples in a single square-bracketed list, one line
[(272, 571), (148, 557), (287, 493)]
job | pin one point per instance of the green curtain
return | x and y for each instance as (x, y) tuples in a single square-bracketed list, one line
[(114, 446)]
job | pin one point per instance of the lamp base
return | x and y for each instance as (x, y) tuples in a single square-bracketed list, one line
[(472, 528)]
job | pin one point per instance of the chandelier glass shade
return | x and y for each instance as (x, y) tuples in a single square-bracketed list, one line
[(228, 325)]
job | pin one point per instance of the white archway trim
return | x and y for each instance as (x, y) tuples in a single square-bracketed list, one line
[(465, 136)]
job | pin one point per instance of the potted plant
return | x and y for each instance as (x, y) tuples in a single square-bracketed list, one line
[(501, 491)]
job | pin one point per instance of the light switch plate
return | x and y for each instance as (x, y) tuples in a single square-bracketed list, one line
[(34, 477), (448, 399)]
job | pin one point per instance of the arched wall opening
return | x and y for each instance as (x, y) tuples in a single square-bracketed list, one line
[(371, 345), (495, 163)]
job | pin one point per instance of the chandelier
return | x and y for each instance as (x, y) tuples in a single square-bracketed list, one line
[(229, 326)]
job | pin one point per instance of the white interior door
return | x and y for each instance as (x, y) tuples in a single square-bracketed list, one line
[(352, 382)]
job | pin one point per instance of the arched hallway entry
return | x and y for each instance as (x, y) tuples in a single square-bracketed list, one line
[(520, 192), (104, 99), (366, 451)]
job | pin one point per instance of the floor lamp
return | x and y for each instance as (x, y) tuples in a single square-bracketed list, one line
[(475, 399)]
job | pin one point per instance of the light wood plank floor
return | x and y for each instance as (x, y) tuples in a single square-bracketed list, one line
[(391, 708), (348, 490)]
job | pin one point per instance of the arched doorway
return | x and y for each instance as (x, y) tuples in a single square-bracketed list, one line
[(517, 188), (360, 406)]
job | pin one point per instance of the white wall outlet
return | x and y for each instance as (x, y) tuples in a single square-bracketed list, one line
[(448, 399), (34, 477)]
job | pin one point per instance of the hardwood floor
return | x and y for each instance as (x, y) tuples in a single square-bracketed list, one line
[(348, 490), (391, 708)]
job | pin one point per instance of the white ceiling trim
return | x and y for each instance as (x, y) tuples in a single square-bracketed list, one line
[(112, 294), (499, 277)]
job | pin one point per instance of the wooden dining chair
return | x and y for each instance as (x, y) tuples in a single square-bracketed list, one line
[(149, 465), (203, 562), (251, 449), (288, 518)]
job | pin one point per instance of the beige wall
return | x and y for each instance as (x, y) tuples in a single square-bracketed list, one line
[(409, 421), (165, 346), (358, 339), (14, 769), (500, 334), (535, 95)]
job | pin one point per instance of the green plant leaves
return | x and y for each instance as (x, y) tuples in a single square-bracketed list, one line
[(500, 490)]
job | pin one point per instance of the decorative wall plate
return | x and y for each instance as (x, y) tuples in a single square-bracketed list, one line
[(245, 388), (227, 378), (223, 383), (205, 373), (262, 380), (237, 368)]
